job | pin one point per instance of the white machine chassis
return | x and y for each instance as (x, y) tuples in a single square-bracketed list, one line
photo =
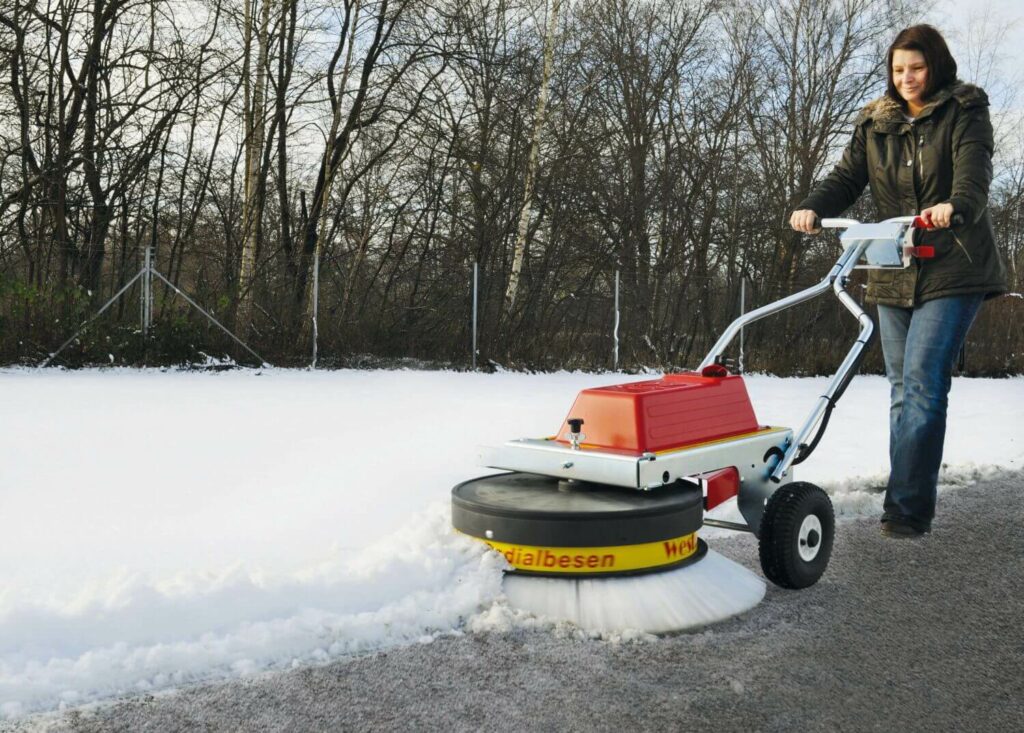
[(644, 472), (754, 456)]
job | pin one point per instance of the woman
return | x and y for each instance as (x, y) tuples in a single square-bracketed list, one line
[(925, 147)]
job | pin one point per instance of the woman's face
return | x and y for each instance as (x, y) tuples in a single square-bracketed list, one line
[(909, 75)]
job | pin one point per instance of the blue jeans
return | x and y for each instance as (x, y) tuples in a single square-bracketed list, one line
[(919, 345)]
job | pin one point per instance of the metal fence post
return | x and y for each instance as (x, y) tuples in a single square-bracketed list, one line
[(147, 291), (476, 279), (316, 301), (615, 328), (146, 274), (142, 290), (743, 309)]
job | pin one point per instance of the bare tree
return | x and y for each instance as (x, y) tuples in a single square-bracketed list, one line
[(397, 52)]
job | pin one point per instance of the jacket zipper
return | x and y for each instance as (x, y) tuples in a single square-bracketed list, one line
[(966, 253), (920, 172)]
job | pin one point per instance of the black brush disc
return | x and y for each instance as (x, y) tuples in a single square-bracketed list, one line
[(534, 510)]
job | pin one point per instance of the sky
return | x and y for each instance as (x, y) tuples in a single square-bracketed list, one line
[(996, 22)]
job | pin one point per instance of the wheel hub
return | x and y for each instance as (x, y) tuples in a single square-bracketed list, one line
[(809, 541)]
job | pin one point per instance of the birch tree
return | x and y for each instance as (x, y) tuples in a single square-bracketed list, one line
[(533, 160), (252, 207)]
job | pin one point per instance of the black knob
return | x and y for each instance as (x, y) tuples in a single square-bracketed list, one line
[(575, 424)]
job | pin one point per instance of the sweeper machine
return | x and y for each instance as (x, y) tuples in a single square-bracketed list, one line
[(623, 487)]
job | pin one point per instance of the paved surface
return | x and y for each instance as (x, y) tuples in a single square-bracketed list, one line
[(899, 635)]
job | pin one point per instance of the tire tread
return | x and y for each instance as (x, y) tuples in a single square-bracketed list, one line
[(783, 514)]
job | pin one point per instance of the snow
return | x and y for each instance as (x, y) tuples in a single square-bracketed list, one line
[(161, 528)]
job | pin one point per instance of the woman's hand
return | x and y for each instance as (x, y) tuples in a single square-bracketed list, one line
[(939, 216), (803, 220)]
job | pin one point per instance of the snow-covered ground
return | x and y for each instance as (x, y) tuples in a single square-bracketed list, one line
[(158, 528)]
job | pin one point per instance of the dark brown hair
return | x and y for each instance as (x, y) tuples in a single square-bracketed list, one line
[(930, 43)]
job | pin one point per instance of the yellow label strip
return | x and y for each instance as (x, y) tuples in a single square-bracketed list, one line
[(595, 560)]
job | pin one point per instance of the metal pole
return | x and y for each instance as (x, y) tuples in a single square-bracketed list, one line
[(615, 328), (147, 291), (476, 280), (316, 301), (757, 314), (96, 315), (845, 372), (149, 288), (142, 292), (148, 272), (210, 317), (743, 309)]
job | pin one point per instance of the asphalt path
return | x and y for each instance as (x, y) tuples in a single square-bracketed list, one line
[(898, 635)]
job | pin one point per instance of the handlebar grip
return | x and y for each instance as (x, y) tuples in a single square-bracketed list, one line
[(957, 220), (834, 223)]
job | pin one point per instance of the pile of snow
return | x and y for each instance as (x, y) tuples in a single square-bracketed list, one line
[(159, 528)]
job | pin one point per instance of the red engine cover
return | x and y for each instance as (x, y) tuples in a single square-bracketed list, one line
[(660, 414)]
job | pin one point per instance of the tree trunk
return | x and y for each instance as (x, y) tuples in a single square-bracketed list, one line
[(252, 206), (532, 163)]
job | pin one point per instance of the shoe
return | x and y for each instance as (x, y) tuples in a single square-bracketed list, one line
[(901, 530)]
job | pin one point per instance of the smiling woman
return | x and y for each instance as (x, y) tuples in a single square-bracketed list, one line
[(925, 148)]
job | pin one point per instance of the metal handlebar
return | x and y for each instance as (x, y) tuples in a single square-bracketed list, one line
[(836, 279), (916, 221)]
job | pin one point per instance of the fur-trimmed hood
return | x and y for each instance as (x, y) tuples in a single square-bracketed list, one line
[(887, 109)]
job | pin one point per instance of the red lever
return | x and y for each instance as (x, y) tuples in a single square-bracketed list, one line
[(920, 223), (923, 252), (714, 370)]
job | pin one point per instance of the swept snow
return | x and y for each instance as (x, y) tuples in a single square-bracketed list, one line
[(158, 528)]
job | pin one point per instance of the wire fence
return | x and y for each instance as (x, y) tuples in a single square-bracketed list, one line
[(175, 312)]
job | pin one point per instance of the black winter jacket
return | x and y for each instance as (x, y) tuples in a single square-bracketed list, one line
[(943, 156)]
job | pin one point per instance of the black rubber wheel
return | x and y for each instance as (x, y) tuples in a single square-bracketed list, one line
[(795, 541)]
